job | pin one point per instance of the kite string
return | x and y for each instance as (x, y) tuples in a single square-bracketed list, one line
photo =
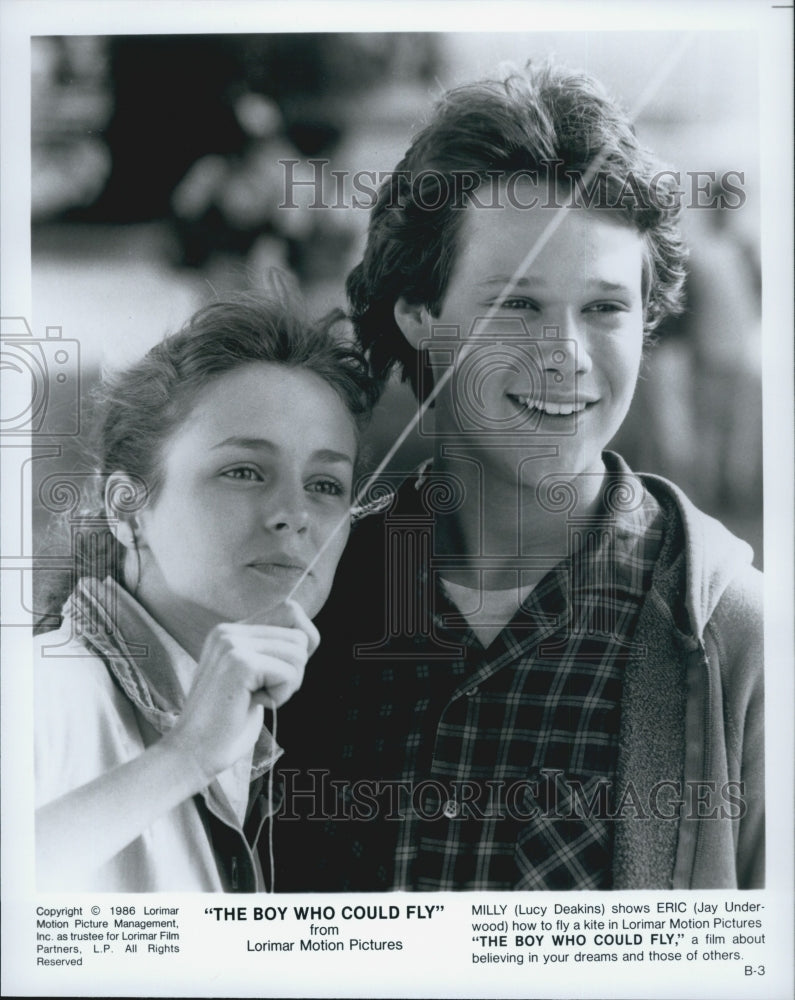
[(559, 214), (554, 224), (271, 857), (422, 409)]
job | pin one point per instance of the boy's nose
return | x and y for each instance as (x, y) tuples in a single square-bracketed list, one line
[(566, 349)]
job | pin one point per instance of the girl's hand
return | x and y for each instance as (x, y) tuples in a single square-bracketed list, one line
[(243, 666)]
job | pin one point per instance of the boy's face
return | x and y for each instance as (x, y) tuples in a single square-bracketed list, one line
[(564, 378)]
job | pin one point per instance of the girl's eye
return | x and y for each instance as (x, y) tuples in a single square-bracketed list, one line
[(243, 473), (329, 487)]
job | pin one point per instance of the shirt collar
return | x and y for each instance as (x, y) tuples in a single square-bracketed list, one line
[(151, 667), (170, 669)]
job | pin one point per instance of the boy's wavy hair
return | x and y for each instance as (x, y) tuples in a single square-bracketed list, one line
[(545, 117), (135, 411)]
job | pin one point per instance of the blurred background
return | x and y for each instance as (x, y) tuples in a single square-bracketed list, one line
[(157, 186)]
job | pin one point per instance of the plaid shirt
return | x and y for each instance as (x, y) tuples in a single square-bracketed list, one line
[(433, 763)]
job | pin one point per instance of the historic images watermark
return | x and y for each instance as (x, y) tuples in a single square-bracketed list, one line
[(313, 184), (548, 795)]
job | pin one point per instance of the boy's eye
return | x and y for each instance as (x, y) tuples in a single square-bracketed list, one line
[(517, 302), (607, 307), (244, 473)]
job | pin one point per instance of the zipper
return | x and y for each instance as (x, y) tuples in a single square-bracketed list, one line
[(706, 756)]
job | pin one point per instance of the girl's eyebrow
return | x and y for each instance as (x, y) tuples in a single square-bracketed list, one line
[(246, 442), (328, 455)]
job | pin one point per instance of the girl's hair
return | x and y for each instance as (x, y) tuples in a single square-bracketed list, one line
[(545, 119), (136, 411)]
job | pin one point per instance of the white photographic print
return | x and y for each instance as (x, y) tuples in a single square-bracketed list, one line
[(397, 488)]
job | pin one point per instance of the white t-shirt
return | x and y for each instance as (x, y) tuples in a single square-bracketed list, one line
[(486, 611)]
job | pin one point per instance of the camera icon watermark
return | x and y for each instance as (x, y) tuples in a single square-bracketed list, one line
[(505, 383), (41, 381)]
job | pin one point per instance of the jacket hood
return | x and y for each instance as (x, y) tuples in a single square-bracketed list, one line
[(713, 556)]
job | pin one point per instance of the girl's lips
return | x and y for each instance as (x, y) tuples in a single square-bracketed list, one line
[(279, 571)]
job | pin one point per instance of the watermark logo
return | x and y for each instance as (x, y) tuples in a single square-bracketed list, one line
[(41, 381), (500, 353)]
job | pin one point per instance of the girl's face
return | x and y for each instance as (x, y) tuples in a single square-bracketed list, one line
[(255, 480)]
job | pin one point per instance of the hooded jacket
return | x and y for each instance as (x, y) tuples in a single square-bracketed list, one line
[(694, 706), (689, 769)]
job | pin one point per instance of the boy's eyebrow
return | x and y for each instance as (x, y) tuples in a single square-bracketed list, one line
[(600, 284), (263, 444), (609, 286), (505, 280)]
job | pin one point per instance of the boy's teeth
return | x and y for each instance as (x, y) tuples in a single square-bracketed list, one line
[(554, 409)]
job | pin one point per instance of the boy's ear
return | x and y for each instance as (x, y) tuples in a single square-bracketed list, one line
[(412, 319)]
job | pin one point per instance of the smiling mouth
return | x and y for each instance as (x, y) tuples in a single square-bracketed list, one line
[(565, 409)]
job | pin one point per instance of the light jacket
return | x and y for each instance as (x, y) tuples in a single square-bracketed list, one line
[(107, 684), (693, 706)]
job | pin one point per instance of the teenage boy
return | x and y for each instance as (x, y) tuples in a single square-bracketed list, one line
[(538, 670)]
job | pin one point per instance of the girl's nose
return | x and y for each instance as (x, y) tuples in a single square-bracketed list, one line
[(288, 512)]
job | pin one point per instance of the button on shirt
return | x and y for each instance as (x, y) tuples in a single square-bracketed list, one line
[(440, 764)]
